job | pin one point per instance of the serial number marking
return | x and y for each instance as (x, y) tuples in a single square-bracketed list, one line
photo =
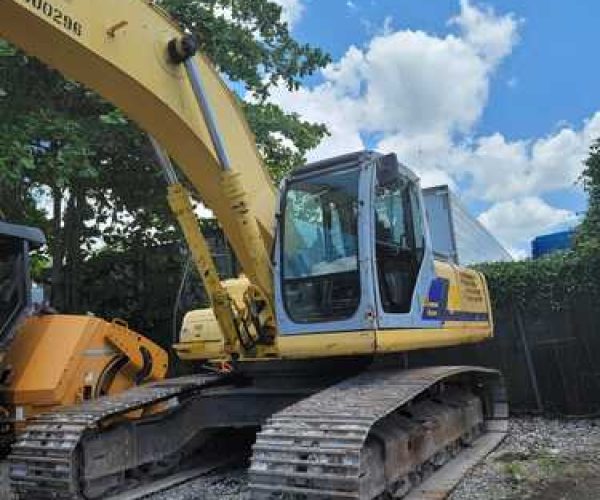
[(56, 15)]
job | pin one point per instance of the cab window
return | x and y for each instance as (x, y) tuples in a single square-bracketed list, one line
[(320, 269)]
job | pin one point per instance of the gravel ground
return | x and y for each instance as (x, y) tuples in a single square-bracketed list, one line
[(226, 484), (540, 460)]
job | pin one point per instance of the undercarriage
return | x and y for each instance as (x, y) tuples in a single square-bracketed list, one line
[(376, 434)]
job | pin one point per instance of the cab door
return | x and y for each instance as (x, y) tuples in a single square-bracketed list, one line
[(322, 258), (402, 257)]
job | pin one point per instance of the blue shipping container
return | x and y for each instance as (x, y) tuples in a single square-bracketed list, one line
[(549, 243)]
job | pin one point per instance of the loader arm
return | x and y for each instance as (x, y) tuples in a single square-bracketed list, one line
[(119, 49)]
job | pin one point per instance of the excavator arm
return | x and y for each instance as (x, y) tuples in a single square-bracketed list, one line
[(121, 51)]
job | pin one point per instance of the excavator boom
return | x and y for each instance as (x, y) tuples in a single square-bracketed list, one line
[(121, 51)]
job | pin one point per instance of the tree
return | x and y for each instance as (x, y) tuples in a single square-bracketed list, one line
[(589, 232), (74, 166), (249, 43)]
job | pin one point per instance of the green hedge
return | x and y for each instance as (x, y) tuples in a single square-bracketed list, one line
[(551, 283)]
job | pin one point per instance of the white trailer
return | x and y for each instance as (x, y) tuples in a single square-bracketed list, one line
[(456, 235)]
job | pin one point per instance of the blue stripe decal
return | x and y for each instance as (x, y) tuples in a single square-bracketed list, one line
[(437, 305)]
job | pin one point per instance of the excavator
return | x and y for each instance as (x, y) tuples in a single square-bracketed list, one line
[(49, 360), (308, 345)]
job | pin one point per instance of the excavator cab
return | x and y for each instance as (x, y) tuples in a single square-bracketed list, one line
[(353, 251), (15, 283)]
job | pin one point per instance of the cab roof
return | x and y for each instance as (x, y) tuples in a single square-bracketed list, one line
[(31, 234)]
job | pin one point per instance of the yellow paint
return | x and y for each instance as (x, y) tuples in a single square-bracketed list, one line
[(221, 302), (389, 341), (467, 293), (53, 358), (329, 344), (370, 342), (200, 337), (319, 345)]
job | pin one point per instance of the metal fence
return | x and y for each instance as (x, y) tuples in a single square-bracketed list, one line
[(551, 361)]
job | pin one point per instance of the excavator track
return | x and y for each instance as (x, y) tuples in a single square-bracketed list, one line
[(46, 460), (377, 435)]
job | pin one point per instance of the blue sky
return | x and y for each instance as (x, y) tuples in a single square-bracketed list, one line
[(498, 99)]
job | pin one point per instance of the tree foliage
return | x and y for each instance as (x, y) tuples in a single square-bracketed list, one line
[(248, 41), (149, 287), (71, 164), (589, 232)]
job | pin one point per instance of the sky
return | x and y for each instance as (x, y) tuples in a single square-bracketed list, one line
[(497, 99)]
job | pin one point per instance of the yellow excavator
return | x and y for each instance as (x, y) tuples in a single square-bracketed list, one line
[(50, 360), (339, 282)]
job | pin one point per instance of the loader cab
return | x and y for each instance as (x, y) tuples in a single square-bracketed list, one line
[(353, 250), (15, 283)]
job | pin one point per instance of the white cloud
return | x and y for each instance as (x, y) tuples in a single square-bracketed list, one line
[(407, 71), (410, 82), (347, 77), (492, 168), (292, 10), (426, 154), (375, 29), (520, 220), (323, 105), (430, 177), (492, 36), (421, 95), (501, 170)]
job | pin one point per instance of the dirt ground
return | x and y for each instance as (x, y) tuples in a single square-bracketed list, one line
[(555, 478)]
